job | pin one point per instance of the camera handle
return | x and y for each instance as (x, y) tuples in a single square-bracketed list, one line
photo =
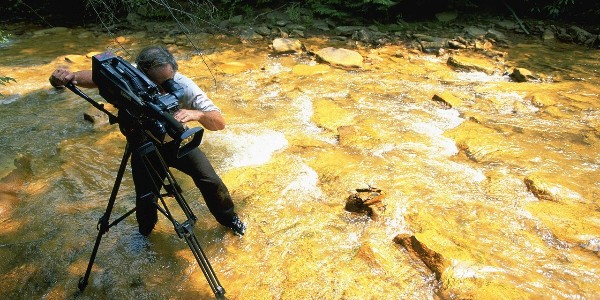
[(185, 229)]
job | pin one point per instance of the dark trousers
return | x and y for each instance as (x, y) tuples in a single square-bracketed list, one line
[(196, 165)]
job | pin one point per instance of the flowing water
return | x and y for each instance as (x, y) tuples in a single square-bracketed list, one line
[(504, 185)]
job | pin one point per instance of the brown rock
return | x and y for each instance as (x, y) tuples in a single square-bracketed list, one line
[(541, 100), (417, 250), (369, 201), (521, 75), (472, 64), (548, 187), (447, 99)]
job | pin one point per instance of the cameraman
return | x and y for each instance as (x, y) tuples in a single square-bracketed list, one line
[(159, 65)]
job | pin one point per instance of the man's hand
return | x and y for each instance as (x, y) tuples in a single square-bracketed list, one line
[(211, 120), (60, 77), (186, 115)]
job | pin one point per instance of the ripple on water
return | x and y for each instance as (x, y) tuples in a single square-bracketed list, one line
[(10, 99)]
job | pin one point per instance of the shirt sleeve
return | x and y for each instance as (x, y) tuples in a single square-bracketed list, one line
[(193, 97)]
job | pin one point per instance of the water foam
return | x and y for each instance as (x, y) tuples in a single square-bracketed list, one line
[(250, 148), (304, 185), (481, 77)]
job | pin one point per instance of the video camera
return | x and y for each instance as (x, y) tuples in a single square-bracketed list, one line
[(141, 104)]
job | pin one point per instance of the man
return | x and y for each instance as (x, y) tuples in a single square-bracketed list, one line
[(159, 65)]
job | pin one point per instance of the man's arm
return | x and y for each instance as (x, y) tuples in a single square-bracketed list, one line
[(211, 120), (60, 77)]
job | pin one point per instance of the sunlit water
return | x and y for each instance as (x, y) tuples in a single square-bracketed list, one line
[(295, 148)]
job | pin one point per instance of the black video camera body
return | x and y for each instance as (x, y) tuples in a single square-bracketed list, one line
[(141, 103)]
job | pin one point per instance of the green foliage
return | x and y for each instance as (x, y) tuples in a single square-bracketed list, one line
[(5, 79), (337, 9), (558, 6), (327, 9), (553, 8), (4, 37), (294, 12), (229, 8)]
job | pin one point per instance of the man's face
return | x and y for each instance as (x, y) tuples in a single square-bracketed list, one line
[(160, 74)]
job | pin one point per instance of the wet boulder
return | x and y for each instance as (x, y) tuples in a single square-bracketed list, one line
[(341, 57), (249, 34), (446, 16), (497, 36), (580, 35), (548, 187), (507, 24), (429, 44), (548, 35), (447, 99), (287, 45), (475, 32), (347, 30), (522, 75), (367, 201), (542, 100), (465, 63)]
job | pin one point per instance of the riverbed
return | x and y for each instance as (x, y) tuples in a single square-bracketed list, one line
[(503, 183)]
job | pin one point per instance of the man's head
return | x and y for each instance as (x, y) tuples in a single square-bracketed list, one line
[(157, 63)]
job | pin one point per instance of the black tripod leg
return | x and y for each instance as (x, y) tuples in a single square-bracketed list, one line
[(202, 260), (103, 224), (186, 229)]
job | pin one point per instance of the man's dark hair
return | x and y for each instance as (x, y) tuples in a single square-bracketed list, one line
[(154, 56)]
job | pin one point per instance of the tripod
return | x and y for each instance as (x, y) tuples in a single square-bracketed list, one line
[(157, 169)]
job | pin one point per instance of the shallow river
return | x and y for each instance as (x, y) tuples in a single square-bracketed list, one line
[(504, 183)]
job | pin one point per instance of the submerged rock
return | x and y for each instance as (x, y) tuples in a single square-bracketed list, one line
[(308, 70), (544, 187), (96, 117), (419, 251), (481, 143), (76, 59)]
